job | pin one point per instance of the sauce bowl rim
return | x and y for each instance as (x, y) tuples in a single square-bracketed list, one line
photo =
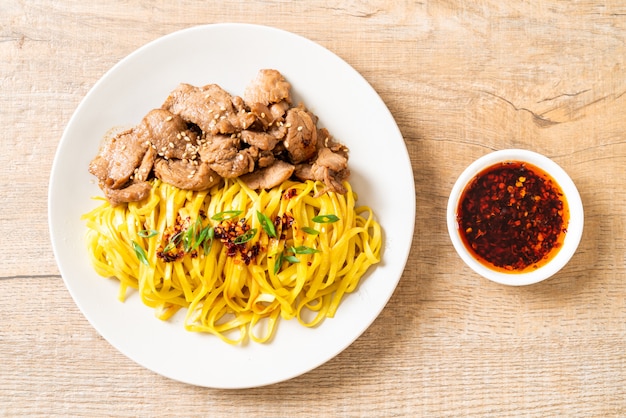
[(574, 227)]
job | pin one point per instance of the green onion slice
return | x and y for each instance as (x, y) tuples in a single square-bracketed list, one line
[(147, 233), (140, 253), (310, 231), (267, 224), (291, 259), (279, 263), (325, 219), (245, 237), (303, 250), (227, 214)]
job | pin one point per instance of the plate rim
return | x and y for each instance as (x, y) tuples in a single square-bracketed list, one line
[(152, 44)]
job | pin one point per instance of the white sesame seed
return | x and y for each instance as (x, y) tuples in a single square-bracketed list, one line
[(172, 145), (299, 128), (169, 118)]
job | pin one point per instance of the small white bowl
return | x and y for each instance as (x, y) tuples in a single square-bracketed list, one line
[(574, 226)]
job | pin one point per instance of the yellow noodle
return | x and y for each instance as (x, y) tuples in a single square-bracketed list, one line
[(222, 293)]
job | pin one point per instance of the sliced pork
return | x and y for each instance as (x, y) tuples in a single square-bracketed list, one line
[(134, 192), (268, 177), (201, 135), (329, 167), (301, 138), (268, 87), (117, 159), (210, 107), (223, 153), (185, 174)]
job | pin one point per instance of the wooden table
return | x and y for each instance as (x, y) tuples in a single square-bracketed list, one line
[(462, 78)]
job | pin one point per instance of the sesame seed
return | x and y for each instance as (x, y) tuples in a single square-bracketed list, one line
[(263, 115), (169, 118), (287, 125), (299, 128), (172, 145), (222, 108), (178, 135)]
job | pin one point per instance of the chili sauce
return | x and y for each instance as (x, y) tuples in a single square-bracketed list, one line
[(513, 217)]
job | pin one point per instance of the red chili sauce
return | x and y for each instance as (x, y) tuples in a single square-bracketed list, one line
[(513, 217)]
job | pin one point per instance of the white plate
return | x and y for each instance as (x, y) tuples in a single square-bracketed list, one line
[(231, 55)]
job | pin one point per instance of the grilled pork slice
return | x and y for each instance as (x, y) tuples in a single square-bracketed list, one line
[(224, 155), (301, 138), (120, 156), (169, 134), (267, 88), (262, 140), (133, 192), (129, 156), (329, 167), (117, 159), (268, 177), (210, 107), (186, 175)]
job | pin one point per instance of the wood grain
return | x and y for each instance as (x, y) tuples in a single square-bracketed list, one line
[(461, 78)]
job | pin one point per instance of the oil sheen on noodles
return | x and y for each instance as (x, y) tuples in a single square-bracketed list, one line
[(215, 254)]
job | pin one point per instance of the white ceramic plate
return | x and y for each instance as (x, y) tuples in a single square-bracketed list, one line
[(231, 55)]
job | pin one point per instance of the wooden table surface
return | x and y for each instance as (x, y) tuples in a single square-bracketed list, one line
[(462, 78)]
